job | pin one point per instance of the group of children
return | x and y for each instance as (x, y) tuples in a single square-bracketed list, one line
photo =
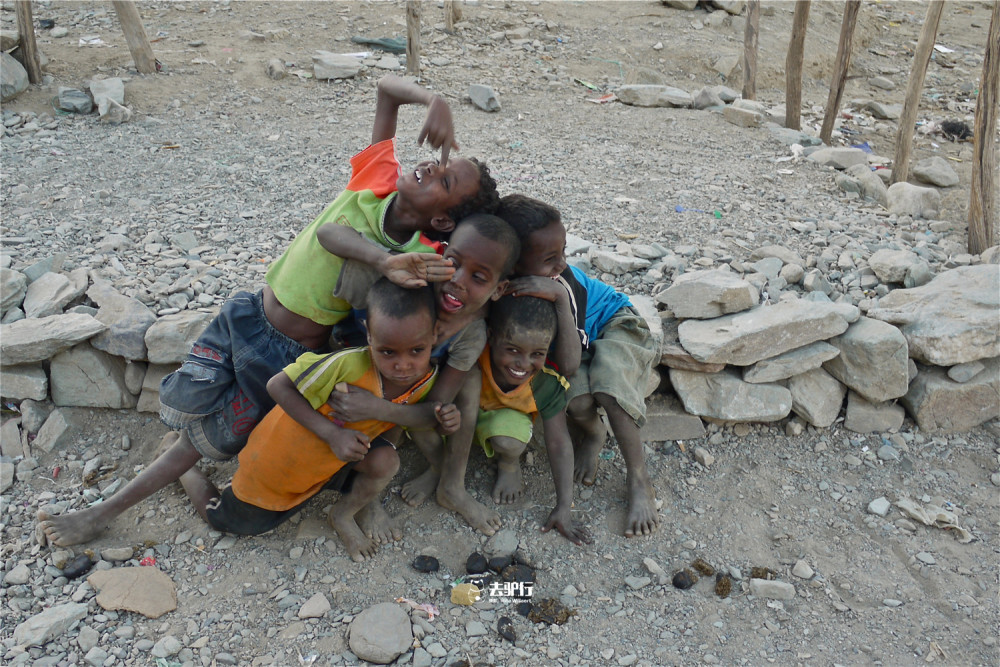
[(417, 303)]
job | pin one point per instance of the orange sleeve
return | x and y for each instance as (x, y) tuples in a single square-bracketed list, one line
[(376, 168)]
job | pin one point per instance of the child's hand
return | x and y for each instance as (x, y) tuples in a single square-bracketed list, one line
[(438, 129), (348, 444), (537, 286), (416, 269), (561, 520), (353, 404), (449, 418)]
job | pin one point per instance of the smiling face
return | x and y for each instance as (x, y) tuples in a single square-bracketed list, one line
[(543, 252), (516, 354), (428, 192), (401, 348), (479, 264)]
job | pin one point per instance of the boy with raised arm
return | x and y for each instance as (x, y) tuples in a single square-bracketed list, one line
[(606, 359), (219, 394), (300, 449)]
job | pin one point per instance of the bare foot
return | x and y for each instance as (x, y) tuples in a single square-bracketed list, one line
[(376, 524), (359, 547), (642, 518), (73, 528), (586, 454), (420, 488), (509, 485), (478, 515)]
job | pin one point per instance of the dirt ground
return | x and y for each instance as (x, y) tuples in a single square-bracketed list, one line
[(885, 591)]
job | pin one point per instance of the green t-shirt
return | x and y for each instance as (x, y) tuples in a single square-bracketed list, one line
[(305, 276)]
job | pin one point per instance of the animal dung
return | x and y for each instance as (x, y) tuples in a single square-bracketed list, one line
[(505, 627), (550, 611), (78, 567), (498, 563), (476, 563), (703, 567), (723, 585), (426, 564), (685, 579), (762, 573)]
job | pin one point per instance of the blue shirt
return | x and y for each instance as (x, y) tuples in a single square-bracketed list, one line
[(603, 301)]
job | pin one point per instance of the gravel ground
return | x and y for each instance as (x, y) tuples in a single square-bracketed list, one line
[(237, 164)]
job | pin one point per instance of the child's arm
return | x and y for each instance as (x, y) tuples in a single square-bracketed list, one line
[(357, 405), (347, 444), (560, 451), (412, 269), (438, 129), (567, 349)]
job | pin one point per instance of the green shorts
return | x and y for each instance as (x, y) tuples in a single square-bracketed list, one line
[(505, 422), (618, 363)]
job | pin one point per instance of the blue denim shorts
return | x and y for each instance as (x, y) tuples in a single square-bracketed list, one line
[(219, 393)]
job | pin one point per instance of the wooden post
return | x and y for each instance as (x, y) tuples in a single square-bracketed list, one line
[(750, 50), (135, 36), (908, 118), (793, 66), (26, 30), (983, 211), (413, 37), (840, 69), (452, 13)]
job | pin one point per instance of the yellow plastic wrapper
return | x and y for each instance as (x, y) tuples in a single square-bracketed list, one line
[(465, 594)]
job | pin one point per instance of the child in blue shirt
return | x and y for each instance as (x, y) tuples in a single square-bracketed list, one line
[(606, 351)]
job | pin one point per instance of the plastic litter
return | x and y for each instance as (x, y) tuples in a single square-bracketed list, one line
[(465, 594), (390, 44), (586, 84), (603, 99), (932, 515), (425, 607), (148, 561), (866, 147)]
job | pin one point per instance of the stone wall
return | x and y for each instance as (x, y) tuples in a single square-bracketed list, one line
[(729, 353)]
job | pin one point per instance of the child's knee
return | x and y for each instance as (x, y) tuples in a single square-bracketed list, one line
[(607, 401), (506, 446), (581, 407), (380, 462)]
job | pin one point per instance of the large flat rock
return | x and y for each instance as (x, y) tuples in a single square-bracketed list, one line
[(745, 338), (144, 590), (817, 397), (666, 420), (872, 360), (85, 377), (30, 340), (789, 364), (707, 294), (953, 319), (940, 405), (725, 396)]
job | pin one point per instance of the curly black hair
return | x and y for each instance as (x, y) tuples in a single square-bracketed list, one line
[(485, 200), (510, 314), (496, 229), (388, 298), (526, 215)]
